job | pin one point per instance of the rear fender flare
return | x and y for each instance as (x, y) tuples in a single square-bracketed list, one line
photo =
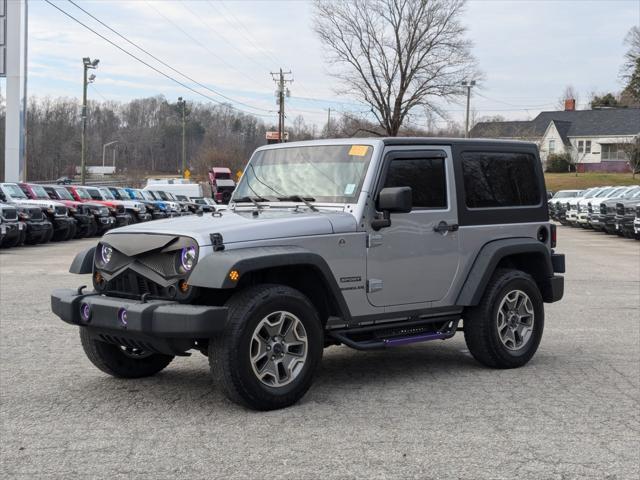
[(487, 260)]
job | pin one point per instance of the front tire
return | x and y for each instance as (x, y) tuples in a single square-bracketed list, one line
[(122, 362), (505, 329), (271, 349)]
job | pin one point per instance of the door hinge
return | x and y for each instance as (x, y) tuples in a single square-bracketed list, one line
[(374, 240), (374, 285)]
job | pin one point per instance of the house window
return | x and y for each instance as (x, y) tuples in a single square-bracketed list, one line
[(552, 146), (580, 146), (587, 146), (613, 151)]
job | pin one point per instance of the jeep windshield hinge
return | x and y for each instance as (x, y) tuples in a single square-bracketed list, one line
[(374, 240), (374, 285)]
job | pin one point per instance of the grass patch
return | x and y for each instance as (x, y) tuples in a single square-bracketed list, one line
[(569, 181)]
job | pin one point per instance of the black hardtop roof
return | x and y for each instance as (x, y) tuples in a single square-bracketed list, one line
[(465, 142)]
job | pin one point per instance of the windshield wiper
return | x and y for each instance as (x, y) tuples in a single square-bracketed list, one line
[(251, 199), (299, 198)]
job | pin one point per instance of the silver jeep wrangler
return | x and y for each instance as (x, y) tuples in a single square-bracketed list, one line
[(370, 243)]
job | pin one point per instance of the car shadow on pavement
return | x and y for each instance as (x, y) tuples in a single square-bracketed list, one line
[(190, 385)]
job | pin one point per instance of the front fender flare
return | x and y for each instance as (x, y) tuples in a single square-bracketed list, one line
[(213, 270), (83, 261)]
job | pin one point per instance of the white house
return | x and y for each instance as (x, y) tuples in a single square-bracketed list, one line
[(595, 139)]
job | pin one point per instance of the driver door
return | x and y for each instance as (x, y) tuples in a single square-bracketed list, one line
[(416, 259)]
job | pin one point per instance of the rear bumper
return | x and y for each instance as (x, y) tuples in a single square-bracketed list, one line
[(143, 217), (165, 326)]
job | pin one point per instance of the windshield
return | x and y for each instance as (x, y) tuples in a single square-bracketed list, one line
[(565, 194), (106, 194), (64, 194), (633, 193), (13, 191), (148, 195), (199, 201), (94, 193), (161, 195), (39, 192), (83, 194), (603, 192), (325, 173)]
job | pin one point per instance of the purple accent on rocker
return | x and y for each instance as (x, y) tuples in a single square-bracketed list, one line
[(391, 342), (85, 311), (122, 316)]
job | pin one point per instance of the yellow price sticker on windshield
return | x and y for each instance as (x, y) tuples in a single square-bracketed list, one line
[(358, 150)]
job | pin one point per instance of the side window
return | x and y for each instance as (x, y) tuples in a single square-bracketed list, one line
[(500, 179), (426, 177)]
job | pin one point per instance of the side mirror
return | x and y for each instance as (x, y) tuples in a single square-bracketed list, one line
[(392, 200)]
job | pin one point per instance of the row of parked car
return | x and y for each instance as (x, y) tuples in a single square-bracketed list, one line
[(32, 213), (610, 209)]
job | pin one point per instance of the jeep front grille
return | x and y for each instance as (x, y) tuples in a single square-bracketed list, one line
[(35, 213), (120, 209), (9, 213), (638, 211), (131, 283), (60, 211), (603, 209), (619, 209)]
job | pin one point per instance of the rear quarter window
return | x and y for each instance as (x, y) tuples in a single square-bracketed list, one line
[(500, 179)]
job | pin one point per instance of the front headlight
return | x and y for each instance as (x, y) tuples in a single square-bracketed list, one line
[(24, 216), (73, 210), (112, 209), (50, 210), (105, 253), (187, 258)]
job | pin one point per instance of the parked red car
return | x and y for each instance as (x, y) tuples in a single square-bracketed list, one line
[(88, 215), (116, 209)]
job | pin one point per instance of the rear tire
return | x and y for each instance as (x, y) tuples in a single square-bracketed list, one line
[(268, 355), (121, 363), (505, 329)]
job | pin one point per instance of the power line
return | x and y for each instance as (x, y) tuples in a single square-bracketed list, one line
[(149, 65), (165, 63), (200, 44)]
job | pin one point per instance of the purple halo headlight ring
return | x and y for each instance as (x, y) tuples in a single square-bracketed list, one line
[(85, 312), (105, 253), (122, 316), (188, 258)]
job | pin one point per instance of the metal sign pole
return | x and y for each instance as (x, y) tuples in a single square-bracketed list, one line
[(15, 63)]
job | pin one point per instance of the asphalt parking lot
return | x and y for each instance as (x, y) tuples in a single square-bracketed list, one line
[(426, 411)]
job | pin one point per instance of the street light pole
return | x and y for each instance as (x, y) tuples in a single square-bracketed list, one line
[(88, 64), (468, 85), (104, 151), (182, 104)]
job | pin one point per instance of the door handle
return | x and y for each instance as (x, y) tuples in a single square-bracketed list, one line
[(444, 227)]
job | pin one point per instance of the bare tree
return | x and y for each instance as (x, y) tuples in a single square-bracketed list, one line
[(632, 40), (396, 55), (631, 149)]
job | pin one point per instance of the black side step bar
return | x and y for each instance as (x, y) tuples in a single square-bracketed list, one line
[(398, 337)]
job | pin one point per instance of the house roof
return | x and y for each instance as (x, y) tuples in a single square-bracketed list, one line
[(563, 130), (599, 122)]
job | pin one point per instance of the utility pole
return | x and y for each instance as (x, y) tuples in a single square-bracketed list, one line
[(281, 81), (88, 64), (468, 85), (13, 66), (183, 105)]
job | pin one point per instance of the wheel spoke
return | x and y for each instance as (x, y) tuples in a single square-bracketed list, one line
[(515, 319), (278, 349)]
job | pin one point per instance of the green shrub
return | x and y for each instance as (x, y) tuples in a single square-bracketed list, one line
[(559, 163)]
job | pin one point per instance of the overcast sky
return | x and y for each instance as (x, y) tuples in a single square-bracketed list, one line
[(528, 50)]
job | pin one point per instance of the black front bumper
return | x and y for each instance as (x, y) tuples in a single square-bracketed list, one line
[(164, 326), (122, 220)]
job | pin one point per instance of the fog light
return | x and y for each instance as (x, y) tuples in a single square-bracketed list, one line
[(85, 312), (122, 316), (183, 286)]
